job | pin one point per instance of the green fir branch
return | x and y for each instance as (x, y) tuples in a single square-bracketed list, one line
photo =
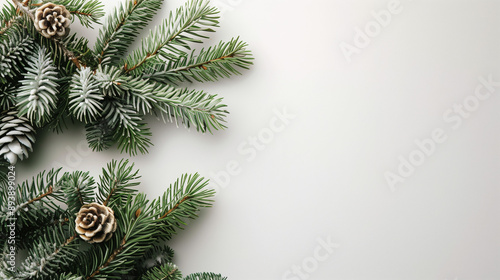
[(41, 190), (78, 188), (121, 28), (216, 62), (87, 11), (99, 135), (191, 108), (54, 252), (205, 276), (117, 183), (8, 18), (155, 256), (182, 201), (111, 81), (37, 96), (167, 271), (181, 28), (8, 93), (12, 52), (131, 132), (135, 232)]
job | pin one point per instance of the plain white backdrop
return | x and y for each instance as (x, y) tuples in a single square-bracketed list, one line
[(342, 95)]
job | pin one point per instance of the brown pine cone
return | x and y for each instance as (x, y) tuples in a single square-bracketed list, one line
[(52, 20), (95, 223)]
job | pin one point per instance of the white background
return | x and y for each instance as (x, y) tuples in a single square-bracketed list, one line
[(322, 175)]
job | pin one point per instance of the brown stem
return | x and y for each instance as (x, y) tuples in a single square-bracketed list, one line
[(49, 192), (111, 191), (175, 207), (202, 64), (80, 13), (8, 24), (20, 6)]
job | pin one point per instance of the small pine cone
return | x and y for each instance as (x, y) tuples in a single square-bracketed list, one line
[(95, 223), (16, 137), (52, 20)]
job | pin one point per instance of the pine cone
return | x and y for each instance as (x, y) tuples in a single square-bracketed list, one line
[(52, 20), (16, 137), (95, 223)]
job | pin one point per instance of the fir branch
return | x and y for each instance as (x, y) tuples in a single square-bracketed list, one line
[(78, 188), (8, 18), (87, 11), (12, 51), (209, 65), (111, 81), (181, 201), (205, 276), (42, 189), (61, 115), (8, 93), (122, 26), (37, 97), (117, 183), (191, 108), (177, 31), (136, 233), (99, 135), (131, 132), (54, 252), (37, 221), (167, 271), (134, 91), (85, 100), (154, 257)]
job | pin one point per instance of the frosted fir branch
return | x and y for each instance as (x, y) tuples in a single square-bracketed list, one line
[(85, 99), (190, 108), (37, 96), (12, 52)]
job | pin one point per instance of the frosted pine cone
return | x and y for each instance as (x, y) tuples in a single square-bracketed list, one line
[(16, 137), (95, 223), (52, 20)]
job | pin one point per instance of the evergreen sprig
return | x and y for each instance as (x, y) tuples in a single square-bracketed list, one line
[(121, 28), (167, 271), (85, 100), (187, 25), (54, 247), (37, 96), (12, 52), (191, 108), (220, 61), (109, 92), (205, 276), (8, 18), (87, 11)]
